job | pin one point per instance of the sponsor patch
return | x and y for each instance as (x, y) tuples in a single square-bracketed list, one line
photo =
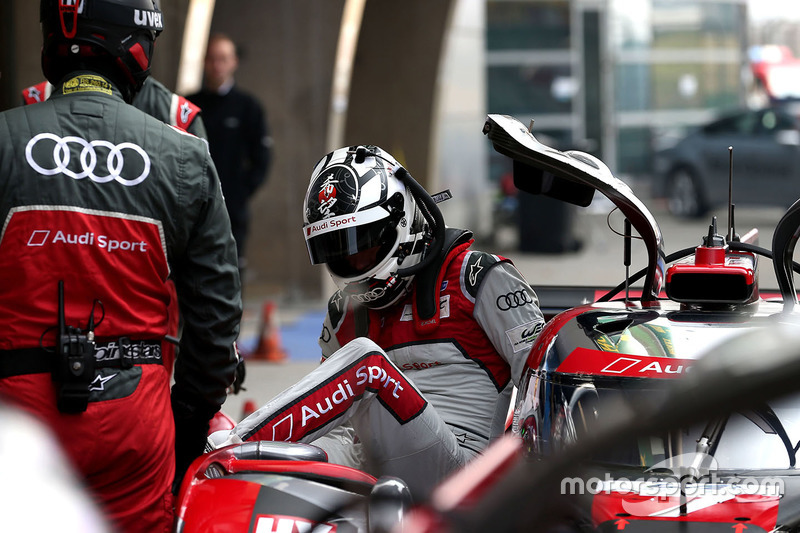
[(113, 384), (444, 309), (87, 82), (522, 337)]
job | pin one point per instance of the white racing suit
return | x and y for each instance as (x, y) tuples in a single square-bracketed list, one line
[(421, 398)]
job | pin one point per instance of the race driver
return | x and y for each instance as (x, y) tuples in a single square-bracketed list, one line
[(423, 341), (103, 207)]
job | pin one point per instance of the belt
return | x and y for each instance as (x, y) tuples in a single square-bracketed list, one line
[(120, 353)]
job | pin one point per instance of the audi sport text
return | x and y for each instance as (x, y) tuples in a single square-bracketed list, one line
[(366, 375), (39, 238)]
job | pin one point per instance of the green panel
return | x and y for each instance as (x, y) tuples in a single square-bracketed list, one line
[(634, 150), (527, 25), (513, 90)]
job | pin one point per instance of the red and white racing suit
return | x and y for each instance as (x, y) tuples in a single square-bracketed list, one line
[(421, 400)]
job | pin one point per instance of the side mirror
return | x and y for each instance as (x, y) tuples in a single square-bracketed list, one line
[(389, 503)]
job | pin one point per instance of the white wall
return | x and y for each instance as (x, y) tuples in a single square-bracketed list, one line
[(460, 153)]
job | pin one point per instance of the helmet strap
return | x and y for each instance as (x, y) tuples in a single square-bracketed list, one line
[(428, 286), (68, 15)]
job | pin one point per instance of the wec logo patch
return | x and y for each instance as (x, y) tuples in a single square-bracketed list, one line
[(522, 337)]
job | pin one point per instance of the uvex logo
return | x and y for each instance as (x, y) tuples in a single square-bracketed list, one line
[(150, 19)]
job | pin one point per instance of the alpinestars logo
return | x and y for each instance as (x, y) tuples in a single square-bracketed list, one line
[(186, 112), (474, 270), (35, 94)]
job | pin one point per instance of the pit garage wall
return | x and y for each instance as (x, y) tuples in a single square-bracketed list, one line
[(289, 47)]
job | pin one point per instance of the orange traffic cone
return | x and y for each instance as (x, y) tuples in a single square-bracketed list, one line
[(269, 346), (248, 408)]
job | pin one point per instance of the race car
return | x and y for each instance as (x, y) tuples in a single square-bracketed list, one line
[(266, 487), (596, 444), (647, 410)]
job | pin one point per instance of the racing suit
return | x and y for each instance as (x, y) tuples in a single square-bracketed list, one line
[(128, 213), (153, 98), (423, 395)]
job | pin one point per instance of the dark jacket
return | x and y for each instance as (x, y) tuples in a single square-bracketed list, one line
[(120, 206), (238, 135)]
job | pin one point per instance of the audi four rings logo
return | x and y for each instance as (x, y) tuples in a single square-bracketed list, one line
[(513, 299), (369, 296), (58, 162)]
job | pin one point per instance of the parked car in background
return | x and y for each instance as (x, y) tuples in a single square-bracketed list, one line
[(693, 174)]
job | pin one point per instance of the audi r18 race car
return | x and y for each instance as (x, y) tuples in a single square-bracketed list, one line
[(645, 410)]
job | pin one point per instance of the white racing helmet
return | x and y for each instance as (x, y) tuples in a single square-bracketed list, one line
[(365, 224)]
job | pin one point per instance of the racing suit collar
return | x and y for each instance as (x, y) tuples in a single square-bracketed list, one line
[(86, 82), (427, 285)]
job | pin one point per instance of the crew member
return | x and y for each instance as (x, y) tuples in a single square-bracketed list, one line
[(104, 207)]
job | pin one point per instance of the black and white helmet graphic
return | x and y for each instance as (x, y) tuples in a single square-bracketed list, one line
[(364, 224)]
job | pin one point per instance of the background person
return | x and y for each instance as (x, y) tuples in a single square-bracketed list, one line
[(105, 207), (238, 134), (423, 341)]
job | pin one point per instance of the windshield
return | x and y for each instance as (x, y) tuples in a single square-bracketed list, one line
[(764, 437)]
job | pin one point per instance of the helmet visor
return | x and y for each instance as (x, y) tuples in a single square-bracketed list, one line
[(334, 240)]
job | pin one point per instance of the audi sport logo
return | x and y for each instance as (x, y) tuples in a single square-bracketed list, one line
[(513, 300), (60, 161)]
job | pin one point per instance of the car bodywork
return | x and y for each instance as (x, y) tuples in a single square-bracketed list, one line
[(684, 362), (635, 399)]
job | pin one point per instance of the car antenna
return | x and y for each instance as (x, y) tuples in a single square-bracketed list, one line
[(626, 257), (730, 193)]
